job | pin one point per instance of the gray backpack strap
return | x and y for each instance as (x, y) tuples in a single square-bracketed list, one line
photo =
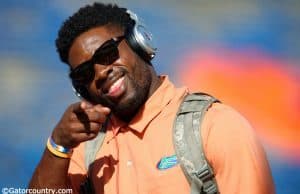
[(90, 152), (188, 143), (93, 146)]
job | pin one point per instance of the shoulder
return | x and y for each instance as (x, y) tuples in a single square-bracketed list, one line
[(234, 152), (223, 129), (223, 119)]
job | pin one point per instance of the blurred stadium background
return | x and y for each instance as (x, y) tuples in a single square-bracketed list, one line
[(245, 52)]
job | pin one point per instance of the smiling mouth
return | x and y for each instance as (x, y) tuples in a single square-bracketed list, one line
[(117, 88)]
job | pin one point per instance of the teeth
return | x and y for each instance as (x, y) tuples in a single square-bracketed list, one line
[(115, 85)]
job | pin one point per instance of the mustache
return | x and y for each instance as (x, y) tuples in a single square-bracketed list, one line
[(120, 68), (117, 71)]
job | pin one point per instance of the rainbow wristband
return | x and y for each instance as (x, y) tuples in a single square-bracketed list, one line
[(58, 150)]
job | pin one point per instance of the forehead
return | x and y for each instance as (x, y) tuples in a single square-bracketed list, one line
[(84, 46)]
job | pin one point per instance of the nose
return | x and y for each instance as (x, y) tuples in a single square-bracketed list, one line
[(102, 71)]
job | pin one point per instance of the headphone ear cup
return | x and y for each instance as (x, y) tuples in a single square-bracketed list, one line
[(135, 46), (140, 39)]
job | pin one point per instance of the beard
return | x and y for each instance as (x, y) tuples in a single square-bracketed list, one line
[(136, 99), (127, 107), (127, 110)]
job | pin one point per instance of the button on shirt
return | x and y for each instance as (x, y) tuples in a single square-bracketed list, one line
[(127, 161)]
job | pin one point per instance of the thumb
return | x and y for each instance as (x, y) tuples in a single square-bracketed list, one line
[(86, 105), (102, 109)]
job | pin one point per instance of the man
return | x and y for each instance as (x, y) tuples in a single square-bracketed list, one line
[(137, 107)]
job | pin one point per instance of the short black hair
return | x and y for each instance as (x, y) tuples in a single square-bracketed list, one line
[(88, 17)]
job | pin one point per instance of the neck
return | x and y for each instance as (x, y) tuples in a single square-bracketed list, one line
[(156, 82)]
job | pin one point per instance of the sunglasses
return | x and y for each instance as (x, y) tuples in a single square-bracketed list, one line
[(106, 54)]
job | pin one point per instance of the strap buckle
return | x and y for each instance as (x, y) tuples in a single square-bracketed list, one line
[(204, 174), (209, 186)]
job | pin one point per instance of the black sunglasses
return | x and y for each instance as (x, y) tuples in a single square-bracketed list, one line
[(106, 54)]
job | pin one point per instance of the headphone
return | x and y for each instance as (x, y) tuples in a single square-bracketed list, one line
[(139, 38), (140, 41)]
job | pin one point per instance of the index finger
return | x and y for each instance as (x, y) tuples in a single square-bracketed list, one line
[(77, 107)]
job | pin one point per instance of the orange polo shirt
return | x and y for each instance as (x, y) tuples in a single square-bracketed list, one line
[(127, 161)]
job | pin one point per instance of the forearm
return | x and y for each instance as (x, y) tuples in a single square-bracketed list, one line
[(81, 122), (51, 172)]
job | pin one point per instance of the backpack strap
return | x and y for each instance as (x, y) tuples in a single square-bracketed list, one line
[(188, 143), (90, 151), (93, 146)]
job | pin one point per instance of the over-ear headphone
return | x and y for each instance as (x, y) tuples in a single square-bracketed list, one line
[(138, 38)]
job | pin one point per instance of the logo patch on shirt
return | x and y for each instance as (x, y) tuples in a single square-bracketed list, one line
[(167, 162)]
